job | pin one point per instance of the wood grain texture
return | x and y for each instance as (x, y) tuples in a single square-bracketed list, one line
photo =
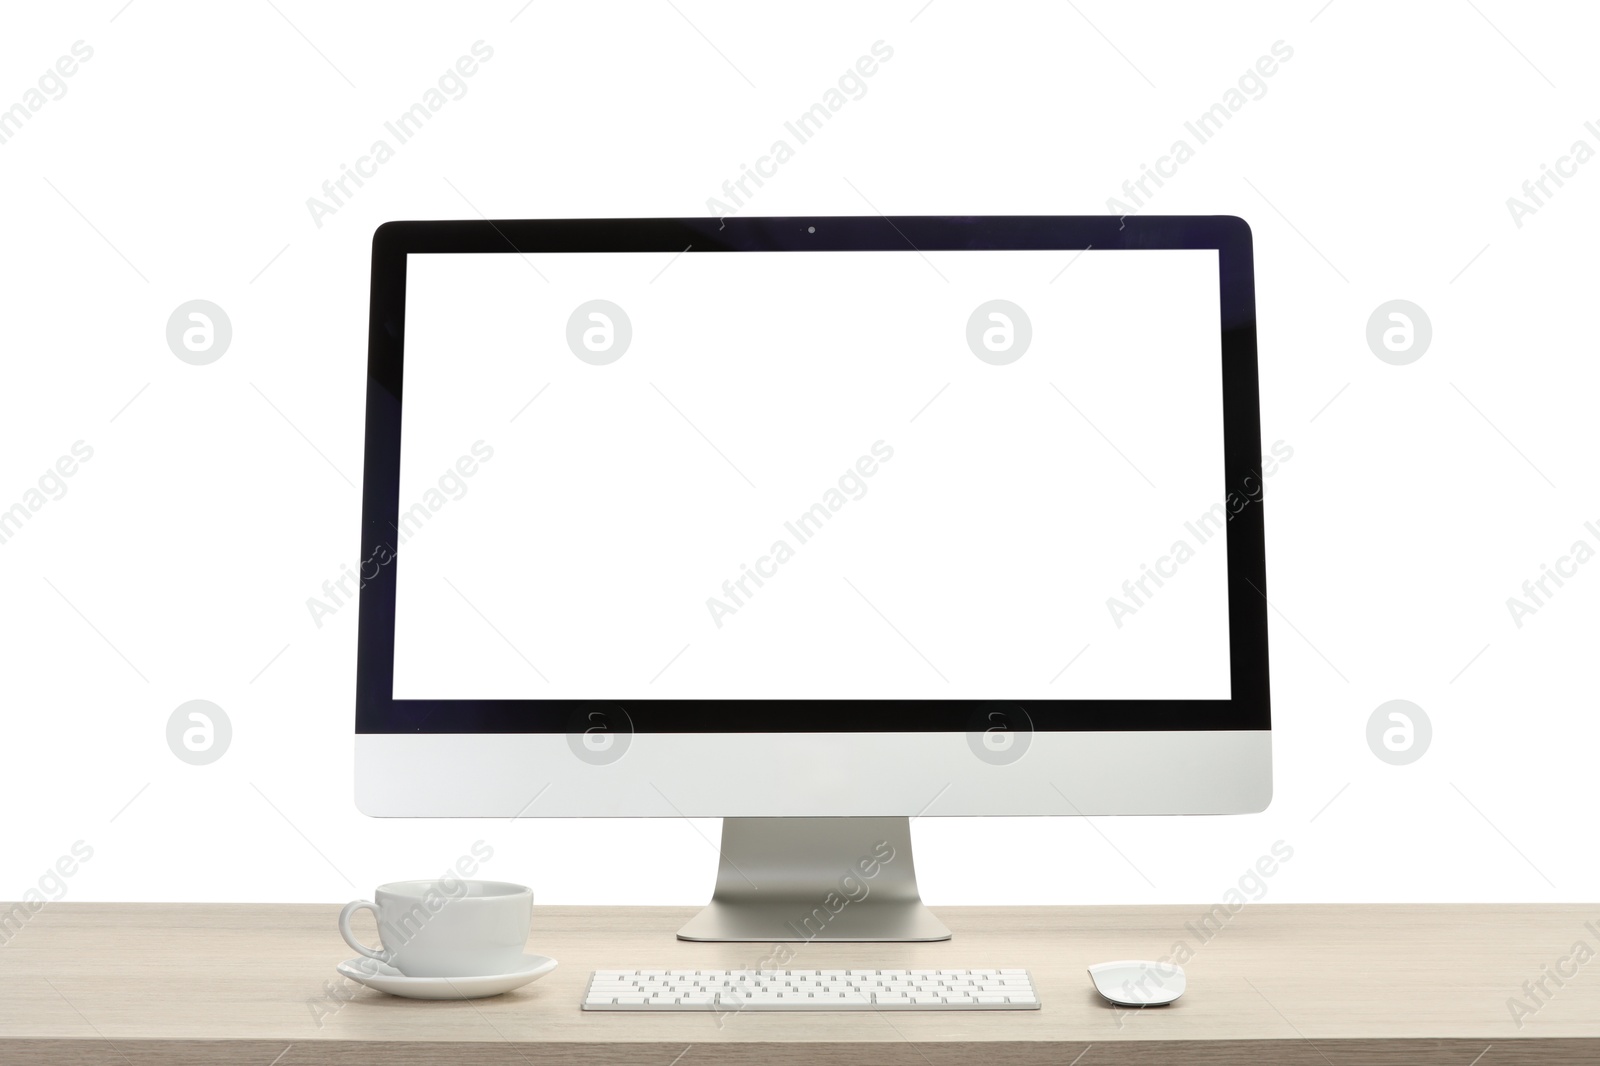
[(177, 984)]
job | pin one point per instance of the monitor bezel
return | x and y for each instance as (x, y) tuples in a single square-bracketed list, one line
[(1248, 707)]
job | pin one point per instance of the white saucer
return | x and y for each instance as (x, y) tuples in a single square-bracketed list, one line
[(386, 978)]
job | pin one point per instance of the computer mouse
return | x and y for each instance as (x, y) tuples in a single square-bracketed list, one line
[(1133, 983)]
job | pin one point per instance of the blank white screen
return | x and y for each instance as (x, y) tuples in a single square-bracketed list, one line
[(584, 556)]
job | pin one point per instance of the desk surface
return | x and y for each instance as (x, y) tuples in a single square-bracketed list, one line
[(1320, 985)]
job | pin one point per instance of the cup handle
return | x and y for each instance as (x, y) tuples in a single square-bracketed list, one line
[(350, 936)]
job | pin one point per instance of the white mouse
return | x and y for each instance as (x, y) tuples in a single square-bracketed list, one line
[(1132, 983)]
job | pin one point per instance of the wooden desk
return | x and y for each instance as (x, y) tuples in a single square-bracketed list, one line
[(136, 984)]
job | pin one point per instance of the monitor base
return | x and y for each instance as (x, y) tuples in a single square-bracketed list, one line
[(803, 879)]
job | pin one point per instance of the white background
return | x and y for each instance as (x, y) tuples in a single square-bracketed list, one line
[(975, 562), (1376, 166)]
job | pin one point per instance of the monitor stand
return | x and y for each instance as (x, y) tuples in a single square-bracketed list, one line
[(804, 879)]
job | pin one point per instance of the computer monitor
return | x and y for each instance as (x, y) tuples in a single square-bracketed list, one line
[(818, 525)]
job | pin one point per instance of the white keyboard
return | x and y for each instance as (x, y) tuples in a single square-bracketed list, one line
[(763, 990)]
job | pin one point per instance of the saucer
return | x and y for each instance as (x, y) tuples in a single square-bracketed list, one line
[(386, 978)]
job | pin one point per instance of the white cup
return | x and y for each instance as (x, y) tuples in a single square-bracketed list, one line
[(448, 927)]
